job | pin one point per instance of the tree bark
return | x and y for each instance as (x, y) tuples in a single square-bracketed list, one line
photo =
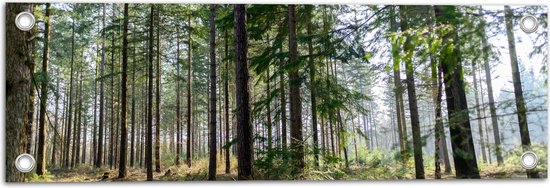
[(295, 100), (149, 139), (41, 157), (68, 141), (313, 86), (178, 99), (189, 93), (518, 91), (18, 80), (244, 124), (457, 107), (124, 88), (411, 91), (133, 116), (226, 105), (478, 114), (157, 119), (398, 89), (212, 122), (99, 161), (488, 80)]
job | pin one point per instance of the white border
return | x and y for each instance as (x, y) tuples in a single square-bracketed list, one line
[(270, 184)]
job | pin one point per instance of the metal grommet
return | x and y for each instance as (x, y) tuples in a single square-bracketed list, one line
[(24, 21), (529, 160), (25, 163), (529, 23)]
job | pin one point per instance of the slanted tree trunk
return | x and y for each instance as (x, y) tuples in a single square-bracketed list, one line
[(518, 91), (212, 122), (244, 124), (488, 80), (457, 106), (18, 85), (41, 157)]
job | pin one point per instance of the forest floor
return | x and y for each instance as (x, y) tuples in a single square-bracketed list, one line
[(198, 172)]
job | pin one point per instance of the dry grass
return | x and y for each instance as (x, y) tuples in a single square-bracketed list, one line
[(199, 171)]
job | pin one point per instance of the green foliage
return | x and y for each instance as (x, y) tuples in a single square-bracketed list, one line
[(274, 165)]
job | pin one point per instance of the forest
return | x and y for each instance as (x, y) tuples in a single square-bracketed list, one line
[(184, 92)]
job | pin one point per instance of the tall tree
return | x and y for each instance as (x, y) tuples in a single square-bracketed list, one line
[(226, 104), (157, 110), (457, 106), (518, 91), (488, 79), (18, 79), (178, 99), (98, 161), (189, 89), (41, 157), (244, 124), (478, 114), (212, 121), (54, 150), (398, 87), (295, 100), (124, 86), (313, 86), (69, 113), (132, 139), (149, 133), (411, 91)]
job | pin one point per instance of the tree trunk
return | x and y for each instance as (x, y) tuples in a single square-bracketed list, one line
[(112, 132), (133, 116), (457, 107), (69, 121), (149, 142), (18, 80), (411, 91), (295, 100), (41, 157), (244, 125), (178, 99), (212, 122), (518, 91), (54, 148), (488, 80), (189, 92), (157, 119), (398, 88), (226, 105), (99, 151), (479, 117), (313, 97), (123, 101)]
